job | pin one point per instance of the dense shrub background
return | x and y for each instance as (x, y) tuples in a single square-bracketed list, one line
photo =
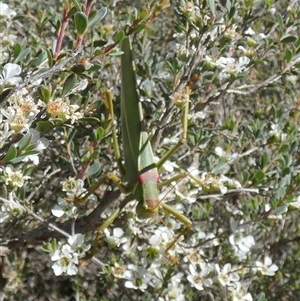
[(242, 143)]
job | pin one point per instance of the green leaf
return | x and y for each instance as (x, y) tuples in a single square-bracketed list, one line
[(294, 147), (91, 119), (101, 13), (17, 50), (99, 133), (23, 143), (288, 55), (144, 14), (119, 36), (22, 55), (50, 57), (232, 12), (139, 28), (11, 154), (130, 114), (73, 11), (283, 149), (260, 175), (280, 209), (288, 39), (99, 43), (281, 193), (93, 156), (37, 61), (93, 169), (69, 84), (265, 159), (76, 4), (43, 126), (212, 7), (44, 93), (81, 22), (261, 297), (23, 156)]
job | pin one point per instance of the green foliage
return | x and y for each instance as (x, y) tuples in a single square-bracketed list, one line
[(237, 63)]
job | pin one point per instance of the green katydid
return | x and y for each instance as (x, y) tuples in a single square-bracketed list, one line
[(141, 171), (138, 155)]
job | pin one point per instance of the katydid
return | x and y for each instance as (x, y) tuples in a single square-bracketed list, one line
[(140, 170)]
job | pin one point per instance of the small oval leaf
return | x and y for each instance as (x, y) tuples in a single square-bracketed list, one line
[(119, 36), (23, 143), (93, 169), (69, 84), (11, 154), (101, 13), (81, 23), (288, 39)]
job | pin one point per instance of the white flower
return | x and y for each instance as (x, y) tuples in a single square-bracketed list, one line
[(266, 268), (78, 245), (239, 292), (138, 277), (175, 293), (200, 279), (221, 153), (40, 144), (5, 11), (148, 86), (169, 166), (73, 186), (9, 74), (229, 66), (10, 208), (226, 276), (241, 245), (250, 31), (66, 261), (64, 207), (160, 239), (117, 238), (14, 178), (66, 256), (118, 271), (276, 131)]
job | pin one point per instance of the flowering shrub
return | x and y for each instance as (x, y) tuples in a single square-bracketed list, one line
[(69, 231)]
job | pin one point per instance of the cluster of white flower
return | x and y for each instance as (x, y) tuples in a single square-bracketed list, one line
[(229, 66), (277, 132), (15, 178), (200, 274), (6, 16), (65, 206), (67, 256), (62, 108), (241, 244)]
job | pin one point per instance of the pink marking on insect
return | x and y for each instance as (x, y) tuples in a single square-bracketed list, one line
[(149, 176)]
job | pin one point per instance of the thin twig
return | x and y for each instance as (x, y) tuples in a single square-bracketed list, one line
[(229, 191), (185, 78), (45, 231), (42, 75)]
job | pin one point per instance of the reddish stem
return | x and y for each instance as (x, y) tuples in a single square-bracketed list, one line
[(61, 33), (87, 12), (88, 7)]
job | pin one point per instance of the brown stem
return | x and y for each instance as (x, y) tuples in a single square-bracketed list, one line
[(83, 225)]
